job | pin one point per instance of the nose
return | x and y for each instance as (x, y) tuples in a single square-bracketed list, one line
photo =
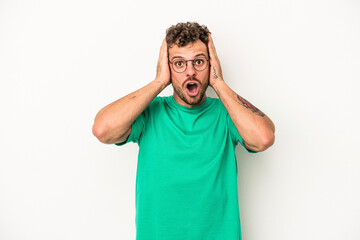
[(190, 70)]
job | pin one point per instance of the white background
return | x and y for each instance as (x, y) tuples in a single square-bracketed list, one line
[(62, 61)]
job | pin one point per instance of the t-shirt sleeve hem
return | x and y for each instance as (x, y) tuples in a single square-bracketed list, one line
[(126, 141)]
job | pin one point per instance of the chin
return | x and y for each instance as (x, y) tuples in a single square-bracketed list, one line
[(194, 101)]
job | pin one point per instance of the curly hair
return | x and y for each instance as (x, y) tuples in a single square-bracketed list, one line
[(182, 34)]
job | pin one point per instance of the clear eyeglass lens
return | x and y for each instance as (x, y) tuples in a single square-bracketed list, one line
[(179, 65), (199, 63)]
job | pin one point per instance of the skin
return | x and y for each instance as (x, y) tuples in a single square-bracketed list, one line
[(112, 124), (179, 80), (256, 129)]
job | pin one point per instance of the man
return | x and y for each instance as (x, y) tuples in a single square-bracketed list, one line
[(186, 184)]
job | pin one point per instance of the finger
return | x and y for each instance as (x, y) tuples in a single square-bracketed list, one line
[(162, 46), (211, 46), (164, 49), (163, 52)]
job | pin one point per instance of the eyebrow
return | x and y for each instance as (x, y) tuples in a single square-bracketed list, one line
[(197, 55)]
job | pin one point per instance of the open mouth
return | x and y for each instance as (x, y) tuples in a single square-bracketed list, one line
[(192, 88)]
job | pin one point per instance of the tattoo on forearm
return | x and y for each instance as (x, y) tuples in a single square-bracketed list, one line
[(215, 76), (246, 104)]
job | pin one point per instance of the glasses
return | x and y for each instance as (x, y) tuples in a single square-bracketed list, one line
[(180, 65)]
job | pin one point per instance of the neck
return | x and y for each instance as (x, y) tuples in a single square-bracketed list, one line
[(190, 103)]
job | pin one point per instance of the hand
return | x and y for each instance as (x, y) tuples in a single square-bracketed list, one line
[(163, 70), (215, 68)]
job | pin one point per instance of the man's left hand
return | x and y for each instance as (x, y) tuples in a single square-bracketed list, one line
[(215, 68)]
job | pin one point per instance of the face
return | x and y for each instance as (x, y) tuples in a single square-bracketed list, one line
[(189, 86)]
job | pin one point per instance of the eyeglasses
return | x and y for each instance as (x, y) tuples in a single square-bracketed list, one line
[(180, 65)]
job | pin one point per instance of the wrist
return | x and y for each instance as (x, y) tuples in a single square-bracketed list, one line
[(161, 82), (218, 84)]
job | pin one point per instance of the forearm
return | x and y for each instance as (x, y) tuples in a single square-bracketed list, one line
[(255, 128), (115, 119)]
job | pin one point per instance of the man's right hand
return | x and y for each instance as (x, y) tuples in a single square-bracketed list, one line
[(163, 70)]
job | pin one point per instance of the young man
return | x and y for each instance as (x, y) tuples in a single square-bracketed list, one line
[(186, 184)]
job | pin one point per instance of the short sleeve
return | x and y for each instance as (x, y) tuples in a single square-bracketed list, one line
[(137, 128), (235, 134)]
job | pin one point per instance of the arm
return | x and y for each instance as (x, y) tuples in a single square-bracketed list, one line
[(112, 123), (255, 128)]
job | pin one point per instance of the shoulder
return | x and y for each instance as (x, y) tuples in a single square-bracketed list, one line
[(216, 103), (157, 103), (212, 100)]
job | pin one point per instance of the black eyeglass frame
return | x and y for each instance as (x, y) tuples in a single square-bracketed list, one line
[(207, 63)]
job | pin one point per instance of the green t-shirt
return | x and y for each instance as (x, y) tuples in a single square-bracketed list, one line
[(186, 182)]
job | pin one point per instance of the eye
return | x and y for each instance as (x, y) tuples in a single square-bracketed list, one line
[(179, 63), (199, 61)]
